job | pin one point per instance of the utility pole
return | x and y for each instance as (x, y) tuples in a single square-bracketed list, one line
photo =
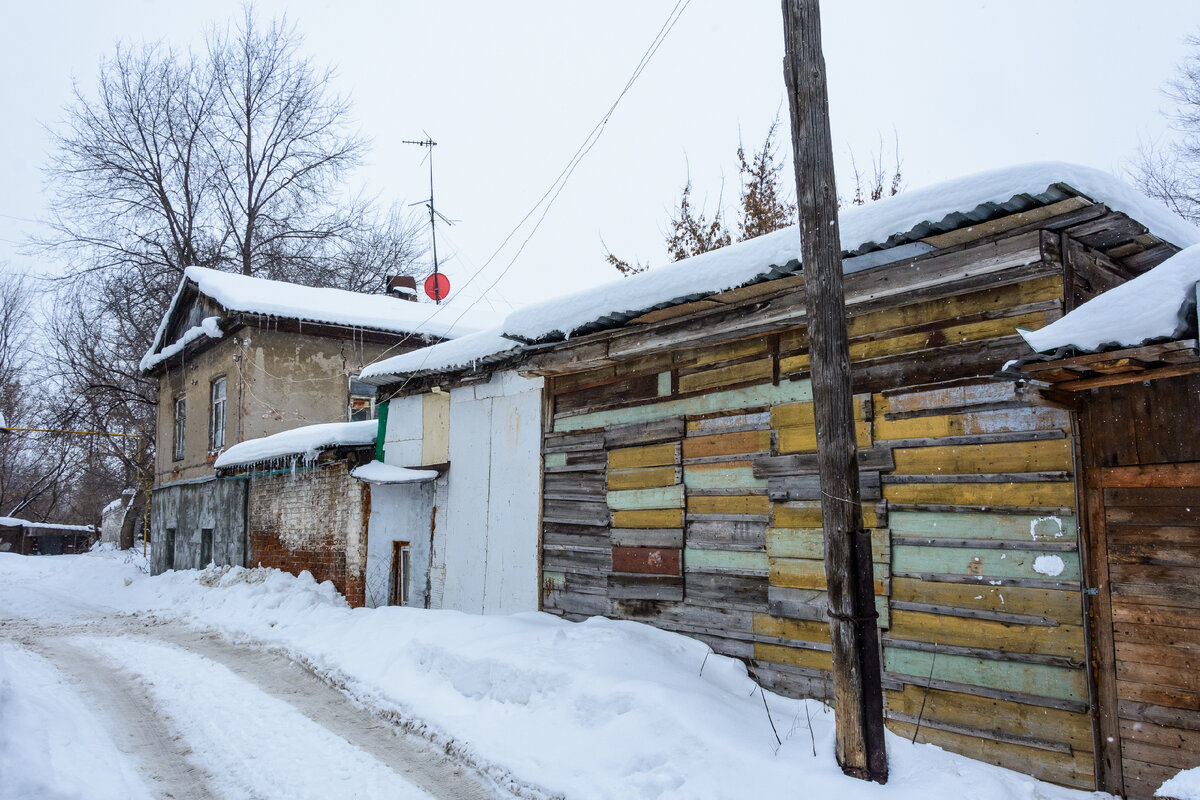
[(429, 143), (857, 684)]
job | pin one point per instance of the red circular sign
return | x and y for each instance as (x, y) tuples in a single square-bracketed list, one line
[(437, 286)]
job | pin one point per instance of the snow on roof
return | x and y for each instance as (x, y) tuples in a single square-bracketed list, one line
[(874, 223), (306, 442), (466, 351), (236, 292), (209, 326), (1159, 304), (378, 472), (12, 522)]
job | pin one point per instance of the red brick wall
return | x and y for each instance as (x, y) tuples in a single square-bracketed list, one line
[(315, 521)]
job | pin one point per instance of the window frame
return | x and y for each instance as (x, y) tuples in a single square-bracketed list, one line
[(216, 408), (179, 428)]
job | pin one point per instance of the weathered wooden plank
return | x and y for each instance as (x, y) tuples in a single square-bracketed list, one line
[(648, 518), (1185, 718), (1053, 604), (660, 497), (1036, 456), (729, 423), (879, 459), (727, 591), (794, 656), (803, 438), (810, 604), (801, 414), (806, 573), (760, 395), (983, 526), (810, 543), (645, 587), (806, 630), (718, 353), (1159, 675), (980, 230), (572, 442), (958, 395), (989, 563), (646, 560), (989, 544), (722, 475), (647, 537), (575, 512), (1060, 640), (748, 372), (643, 477), (1025, 495), (727, 444), (654, 455), (732, 560), (576, 559), (1179, 497), (729, 504), (1028, 679), (1020, 419), (808, 487), (596, 537), (726, 534), (991, 580), (807, 514), (667, 429)]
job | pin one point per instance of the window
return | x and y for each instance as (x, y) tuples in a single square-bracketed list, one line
[(362, 401), (180, 426), (216, 414), (399, 587)]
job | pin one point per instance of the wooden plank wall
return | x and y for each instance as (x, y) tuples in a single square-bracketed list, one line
[(681, 491)]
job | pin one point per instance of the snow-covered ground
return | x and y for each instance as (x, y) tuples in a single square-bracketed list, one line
[(540, 706)]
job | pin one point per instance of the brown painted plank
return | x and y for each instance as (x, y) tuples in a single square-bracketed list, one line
[(647, 560)]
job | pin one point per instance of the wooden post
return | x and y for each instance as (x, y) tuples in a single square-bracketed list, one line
[(858, 693)]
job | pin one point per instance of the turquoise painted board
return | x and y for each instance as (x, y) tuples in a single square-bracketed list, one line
[(660, 497), (724, 559), (664, 384), (988, 563), (722, 478), (881, 606), (761, 395), (1060, 683), (966, 525), (556, 459)]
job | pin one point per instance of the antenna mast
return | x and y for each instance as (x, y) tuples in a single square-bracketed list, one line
[(429, 143)]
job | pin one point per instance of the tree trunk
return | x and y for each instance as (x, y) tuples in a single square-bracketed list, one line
[(858, 696)]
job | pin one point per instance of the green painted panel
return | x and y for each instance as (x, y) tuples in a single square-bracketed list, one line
[(724, 559), (966, 525), (664, 384), (554, 581), (810, 543), (881, 606), (722, 478), (658, 497), (556, 459), (1041, 680), (381, 411), (986, 563), (761, 395)]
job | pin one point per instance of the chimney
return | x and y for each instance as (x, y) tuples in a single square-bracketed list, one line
[(402, 286)]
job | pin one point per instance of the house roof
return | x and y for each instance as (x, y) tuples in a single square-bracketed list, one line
[(306, 442), (474, 350), (14, 522), (278, 299)]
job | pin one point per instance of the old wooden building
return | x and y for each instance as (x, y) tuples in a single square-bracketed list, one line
[(679, 477)]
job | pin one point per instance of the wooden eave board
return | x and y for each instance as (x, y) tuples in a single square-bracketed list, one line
[(1118, 366)]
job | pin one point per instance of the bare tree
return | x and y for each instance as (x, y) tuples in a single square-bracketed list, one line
[(1170, 171)]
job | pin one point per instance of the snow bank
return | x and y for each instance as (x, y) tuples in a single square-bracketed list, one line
[(306, 442), (378, 472), (1184, 786), (209, 326), (445, 356), (1159, 304), (746, 262), (236, 292)]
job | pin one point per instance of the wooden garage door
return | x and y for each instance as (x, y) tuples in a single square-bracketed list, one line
[(1152, 522)]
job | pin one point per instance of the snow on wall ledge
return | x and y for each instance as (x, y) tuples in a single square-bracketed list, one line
[(1160, 304), (306, 442), (747, 262)]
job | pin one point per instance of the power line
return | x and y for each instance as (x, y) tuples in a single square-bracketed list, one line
[(556, 187)]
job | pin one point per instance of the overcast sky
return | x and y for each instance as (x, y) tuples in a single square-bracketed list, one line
[(511, 90)]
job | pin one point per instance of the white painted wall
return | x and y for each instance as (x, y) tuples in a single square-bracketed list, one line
[(399, 513), (484, 556)]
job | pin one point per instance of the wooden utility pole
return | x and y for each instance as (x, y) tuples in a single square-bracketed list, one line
[(857, 686)]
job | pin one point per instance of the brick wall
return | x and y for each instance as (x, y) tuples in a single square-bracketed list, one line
[(315, 521)]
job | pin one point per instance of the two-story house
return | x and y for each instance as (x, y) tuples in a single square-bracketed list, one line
[(238, 358)]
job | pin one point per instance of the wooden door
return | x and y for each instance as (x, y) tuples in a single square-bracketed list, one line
[(1149, 526)]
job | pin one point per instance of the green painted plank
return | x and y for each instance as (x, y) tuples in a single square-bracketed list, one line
[(881, 606), (722, 478), (761, 395), (556, 459), (987, 563), (664, 384), (810, 543), (658, 497), (968, 525), (724, 559), (381, 411), (1060, 683)]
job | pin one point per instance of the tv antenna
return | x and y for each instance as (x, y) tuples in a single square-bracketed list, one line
[(437, 283)]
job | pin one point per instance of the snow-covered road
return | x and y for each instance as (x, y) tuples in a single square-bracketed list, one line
[(124, 706)]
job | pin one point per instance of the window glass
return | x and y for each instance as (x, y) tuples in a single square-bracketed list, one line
[(180, 426), (216, 418)]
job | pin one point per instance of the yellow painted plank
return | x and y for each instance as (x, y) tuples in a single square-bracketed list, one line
[(724, 376), (1058, 605), (982, 494), (804, 630), (800, 363), (1044, 456), (955, 334), (810, 543), (654, 455), (795, 656), (1062, 640), (649, 518), (698, 356), (642, 477), (803, 438), (809, 573), (722, 444), (807, 514), (729, 504), (971, 423), (788, 414), (950, 308)]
